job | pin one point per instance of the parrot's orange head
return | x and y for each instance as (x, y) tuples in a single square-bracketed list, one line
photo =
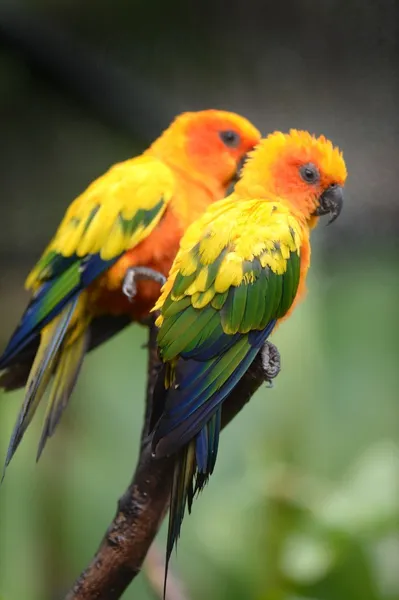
[(306, 172), (210, 144)]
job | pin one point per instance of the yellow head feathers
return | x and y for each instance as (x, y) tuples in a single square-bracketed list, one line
[(296, 166)]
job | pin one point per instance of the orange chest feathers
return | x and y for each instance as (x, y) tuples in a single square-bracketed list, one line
[(157, 252)]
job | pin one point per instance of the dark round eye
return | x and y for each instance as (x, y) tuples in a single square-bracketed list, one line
[(230, 138), (309, 173)]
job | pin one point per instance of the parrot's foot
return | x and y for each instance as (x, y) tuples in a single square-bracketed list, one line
[(271, 362), (129, 286)]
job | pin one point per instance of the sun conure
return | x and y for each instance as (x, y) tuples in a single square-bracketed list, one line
[(240, 270), (132, 217)]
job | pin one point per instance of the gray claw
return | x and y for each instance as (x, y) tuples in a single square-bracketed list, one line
[(271, 362), (129, 287)]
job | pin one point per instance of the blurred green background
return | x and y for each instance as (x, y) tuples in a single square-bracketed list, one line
[(304, 503)]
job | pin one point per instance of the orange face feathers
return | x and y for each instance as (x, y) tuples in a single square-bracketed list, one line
[(297, 167), (209, 143)]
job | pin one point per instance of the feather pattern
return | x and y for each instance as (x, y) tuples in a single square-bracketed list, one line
[(100, 330), (132, 216), (65, 375), (114, 214), (49, 301), (236, 275), (240, 270), (40, 374)]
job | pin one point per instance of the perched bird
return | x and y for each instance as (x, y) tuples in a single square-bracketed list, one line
[(127, 223), (240, 270)]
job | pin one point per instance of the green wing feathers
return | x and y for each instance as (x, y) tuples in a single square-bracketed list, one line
[(237, 293), (210, 310), (113, 215), (52, 339), (65, 375), (233, 278)]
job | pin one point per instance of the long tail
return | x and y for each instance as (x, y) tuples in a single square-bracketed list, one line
[(16, 373), (193, 465), (66, 373), (61, 351), (188, 397)]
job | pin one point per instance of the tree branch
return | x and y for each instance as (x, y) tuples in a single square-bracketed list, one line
[(143, 506)]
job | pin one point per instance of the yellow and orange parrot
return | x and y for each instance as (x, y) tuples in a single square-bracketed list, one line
[(130, 218), (240, 270)]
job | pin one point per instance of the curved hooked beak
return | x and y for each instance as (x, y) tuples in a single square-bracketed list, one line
[(331, 202)]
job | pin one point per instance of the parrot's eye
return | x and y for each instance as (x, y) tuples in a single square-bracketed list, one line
[(231, 139), (309, 173)]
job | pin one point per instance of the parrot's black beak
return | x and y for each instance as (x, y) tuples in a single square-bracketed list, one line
[(331, 202)]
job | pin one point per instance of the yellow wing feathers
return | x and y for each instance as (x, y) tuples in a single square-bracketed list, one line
[(114, 214), (226, 239)]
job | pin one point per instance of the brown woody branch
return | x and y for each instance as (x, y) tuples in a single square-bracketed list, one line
[(143, 506)]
